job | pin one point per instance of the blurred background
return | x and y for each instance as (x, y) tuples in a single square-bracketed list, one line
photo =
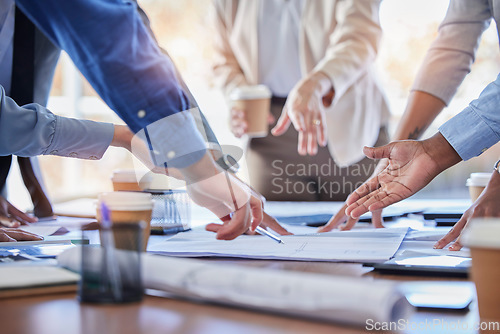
[(184, 29)]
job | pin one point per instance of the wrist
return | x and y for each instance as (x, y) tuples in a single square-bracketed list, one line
[(441, 152), (203, 169), (322, 82), (122, 137)]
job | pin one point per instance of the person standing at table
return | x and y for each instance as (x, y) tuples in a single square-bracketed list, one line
[(316, 56), (27, 63), (413, 164), (110, 44)]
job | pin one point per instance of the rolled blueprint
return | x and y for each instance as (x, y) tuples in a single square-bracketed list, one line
[(333, 298)]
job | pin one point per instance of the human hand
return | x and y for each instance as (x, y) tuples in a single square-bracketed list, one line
[(412, 165), (15, 234), (239, 124), (226, 196), (267, 222), (304, 108), (10, 216), (485, 206), (340, 217)]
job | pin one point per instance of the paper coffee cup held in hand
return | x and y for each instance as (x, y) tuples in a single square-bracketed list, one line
[(255, 101), (482, 237)]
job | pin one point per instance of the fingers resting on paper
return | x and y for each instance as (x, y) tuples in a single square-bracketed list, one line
[(14, 234)]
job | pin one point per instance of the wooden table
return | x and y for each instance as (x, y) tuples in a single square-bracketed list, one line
[(62, 313)]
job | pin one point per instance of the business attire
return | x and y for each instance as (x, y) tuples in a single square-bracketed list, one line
[(446, 64), (32, 129), (114, 50), (277, 43)]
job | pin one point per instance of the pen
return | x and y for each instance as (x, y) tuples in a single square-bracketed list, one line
[(265, 232)]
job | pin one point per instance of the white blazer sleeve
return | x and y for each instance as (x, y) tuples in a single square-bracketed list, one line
[(227, 71), (354, 43)]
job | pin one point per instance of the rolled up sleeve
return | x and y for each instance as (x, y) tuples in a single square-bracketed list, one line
[(477, 127), (33, 130)]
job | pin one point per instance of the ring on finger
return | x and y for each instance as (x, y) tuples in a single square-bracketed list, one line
[(316, 122)]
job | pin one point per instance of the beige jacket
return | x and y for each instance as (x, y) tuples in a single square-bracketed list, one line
[(337, 37)]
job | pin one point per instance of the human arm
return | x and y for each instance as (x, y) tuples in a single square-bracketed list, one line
[(110, 45), (446, 64), (351, 51), (226, 68), (32, 130), (485, 206)]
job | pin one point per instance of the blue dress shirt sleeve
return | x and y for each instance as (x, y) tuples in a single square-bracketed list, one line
[(33, 130), (110, 45), (477, 127)]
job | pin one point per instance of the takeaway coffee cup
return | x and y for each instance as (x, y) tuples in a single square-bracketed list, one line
[(126, 180), (476, 183), (256, 103), (127, 207), (482, 237)]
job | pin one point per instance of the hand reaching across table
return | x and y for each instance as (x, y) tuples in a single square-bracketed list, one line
[(485, 206), (412, 165)]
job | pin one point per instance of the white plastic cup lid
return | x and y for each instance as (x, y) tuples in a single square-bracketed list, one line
[(478, 179), (126, 200), (482, 233), (250, 93)]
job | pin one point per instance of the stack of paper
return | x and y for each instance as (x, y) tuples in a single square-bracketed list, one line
[(376, 245)]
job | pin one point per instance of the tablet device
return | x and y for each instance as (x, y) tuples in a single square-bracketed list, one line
[(439, 295), (441, 265)]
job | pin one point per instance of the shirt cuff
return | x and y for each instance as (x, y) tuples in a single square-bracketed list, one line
[(81, 139), (173, 141), (469, 134)]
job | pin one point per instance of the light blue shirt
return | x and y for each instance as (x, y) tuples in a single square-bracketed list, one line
[(110, 45), (32, 129), (477, 127)]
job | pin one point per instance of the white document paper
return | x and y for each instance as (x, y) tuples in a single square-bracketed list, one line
[(342, 299), (376, 245), (34, 275)]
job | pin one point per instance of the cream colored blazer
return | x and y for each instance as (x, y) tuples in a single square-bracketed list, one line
[(337, 37)]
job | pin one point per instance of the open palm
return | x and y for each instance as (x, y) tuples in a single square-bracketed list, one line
[(410, 169)]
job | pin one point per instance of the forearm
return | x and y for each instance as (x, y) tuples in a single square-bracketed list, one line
[(420, 112)]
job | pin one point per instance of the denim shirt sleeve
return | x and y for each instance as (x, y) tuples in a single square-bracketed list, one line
[(111, 46), (477, 127), (33, 130)]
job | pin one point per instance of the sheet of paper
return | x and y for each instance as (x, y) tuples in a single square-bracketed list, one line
[(375, 245), (43, 230)]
